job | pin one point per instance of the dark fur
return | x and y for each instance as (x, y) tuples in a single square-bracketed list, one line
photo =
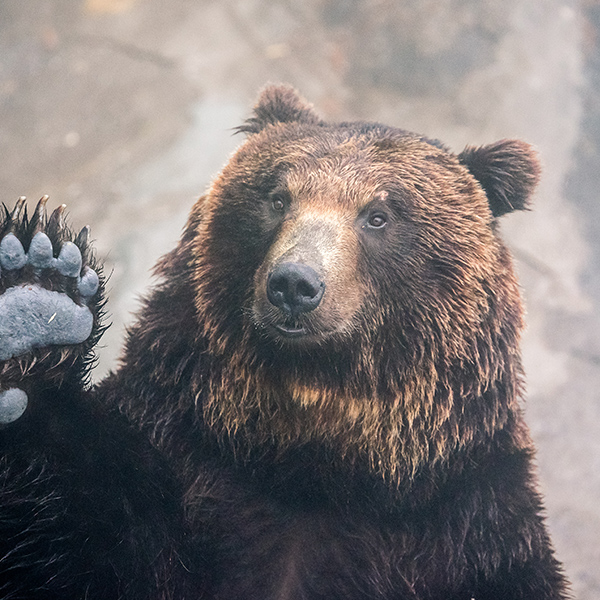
[(383, 457), (506, 170)]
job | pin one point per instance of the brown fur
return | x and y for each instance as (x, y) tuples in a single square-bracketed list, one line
[(370, 445), (383, 452), (400, 404)]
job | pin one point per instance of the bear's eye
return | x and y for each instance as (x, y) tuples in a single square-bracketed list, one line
[(377, 221), (278, 204)]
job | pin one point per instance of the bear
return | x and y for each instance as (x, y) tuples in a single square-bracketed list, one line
[(320, 398)]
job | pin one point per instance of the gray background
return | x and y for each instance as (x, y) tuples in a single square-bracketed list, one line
[(123, 110)]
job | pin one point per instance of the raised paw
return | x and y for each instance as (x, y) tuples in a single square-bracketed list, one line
[(50, 291)]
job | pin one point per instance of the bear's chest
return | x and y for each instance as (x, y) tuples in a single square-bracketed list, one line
[(287, 557), (268, 553)]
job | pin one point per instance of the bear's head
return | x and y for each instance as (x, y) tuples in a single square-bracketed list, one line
[(351, 279)]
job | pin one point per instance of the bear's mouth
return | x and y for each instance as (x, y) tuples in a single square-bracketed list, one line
[(297, 332), (289, 331)]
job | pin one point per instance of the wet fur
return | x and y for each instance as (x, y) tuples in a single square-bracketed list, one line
[(389, 460)]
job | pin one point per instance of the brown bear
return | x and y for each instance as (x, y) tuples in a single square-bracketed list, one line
[(321, 399)]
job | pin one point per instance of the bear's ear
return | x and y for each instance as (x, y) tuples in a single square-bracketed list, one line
[(279, 104), (508, 171)]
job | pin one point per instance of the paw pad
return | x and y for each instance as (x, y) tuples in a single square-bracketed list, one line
[(40, 251), (34, 317), (40, 256), (89, 282), (12, 255), (13, 403), (69, 260)]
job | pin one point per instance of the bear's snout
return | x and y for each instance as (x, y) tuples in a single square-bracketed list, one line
[(295, 288), (306, 288)]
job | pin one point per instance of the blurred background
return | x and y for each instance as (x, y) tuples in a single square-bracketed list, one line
[(124, 110)]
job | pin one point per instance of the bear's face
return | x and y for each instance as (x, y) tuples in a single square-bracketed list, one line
[(326, 233), (352, 274), (356, 229)]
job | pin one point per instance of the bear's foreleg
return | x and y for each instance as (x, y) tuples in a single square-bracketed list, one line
[(87, 507)]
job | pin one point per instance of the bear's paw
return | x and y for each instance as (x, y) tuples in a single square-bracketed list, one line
[(49, 293)]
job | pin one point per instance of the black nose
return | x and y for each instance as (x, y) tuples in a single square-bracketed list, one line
[(295, 288)]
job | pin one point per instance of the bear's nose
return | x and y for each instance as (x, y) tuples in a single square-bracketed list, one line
[(295, 288)]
